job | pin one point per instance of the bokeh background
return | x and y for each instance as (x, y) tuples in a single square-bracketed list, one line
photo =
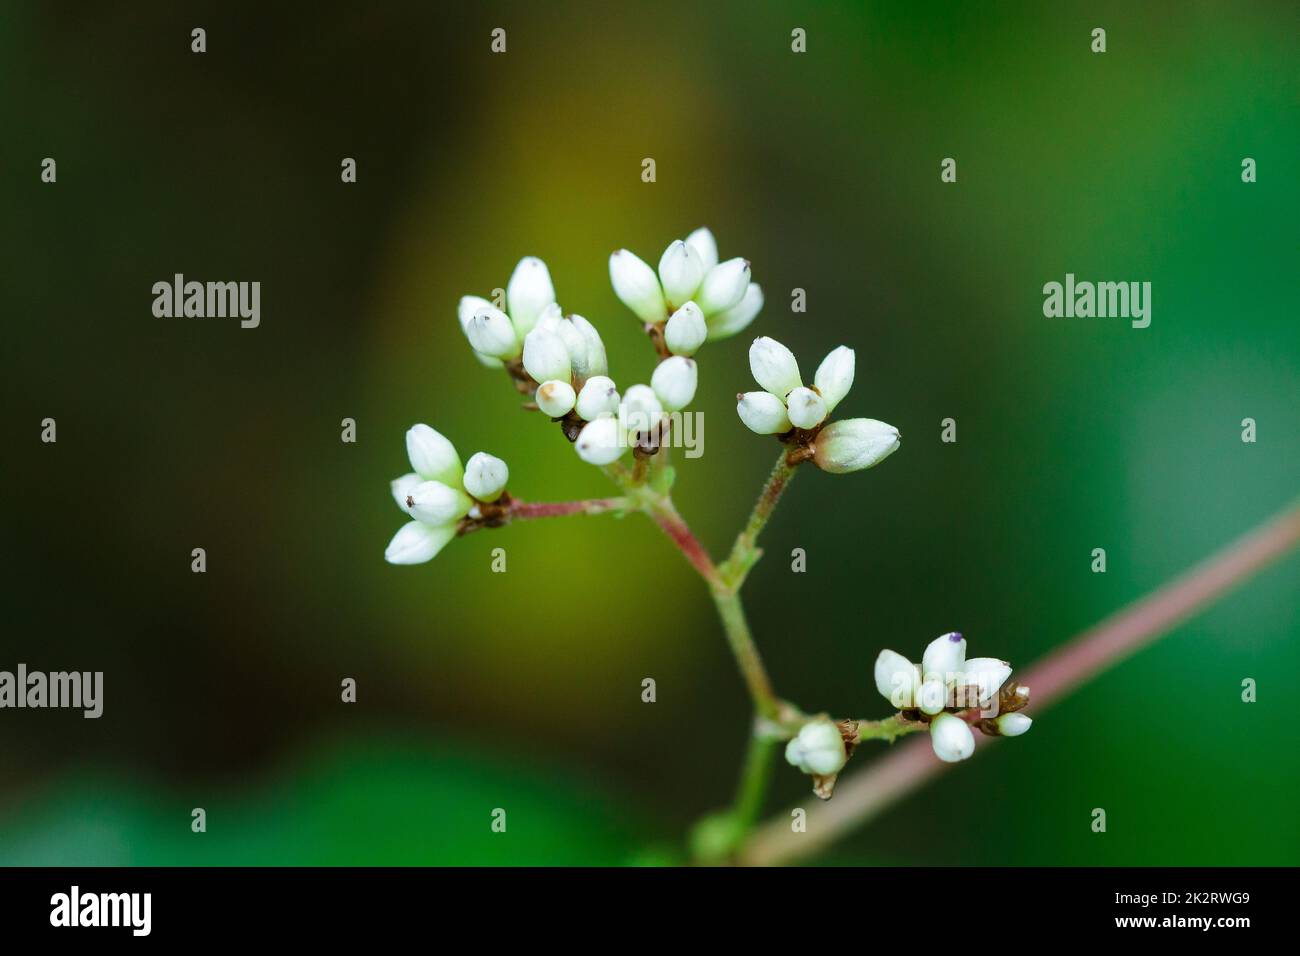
[(522, 690)]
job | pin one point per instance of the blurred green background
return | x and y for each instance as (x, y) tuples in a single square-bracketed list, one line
[(522, 690)]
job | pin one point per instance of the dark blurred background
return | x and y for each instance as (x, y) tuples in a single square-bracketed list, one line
[(522, 690)]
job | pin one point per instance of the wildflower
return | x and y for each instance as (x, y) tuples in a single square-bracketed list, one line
[(786, 403), (817, 749), (438, 493), (674, 382), (599, 396), (946, 681), (854, 444), (951, 738), (496, 335), (720, 294)]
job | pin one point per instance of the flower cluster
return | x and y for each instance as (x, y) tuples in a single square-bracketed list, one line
[(561, 360), (797, 412), (946, 682), (693, 298), (439, 493)]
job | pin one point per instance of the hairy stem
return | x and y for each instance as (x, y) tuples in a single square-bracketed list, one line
[(527, 510), (863, 796), (746, 653)]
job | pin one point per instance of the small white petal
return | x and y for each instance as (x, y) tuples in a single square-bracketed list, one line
[(987, 673), (401, 487), (491, 333), (599, 396), (417, 542), (686, 330), (485, 476), (432, 456), (469, 304), (854, 444), (637, 286), (601, 442), (774, 366), (597, 362), (818, 749), (680, 271), (932, 696), (556, 399), (951, 738), (674, 382), (897, 679), (763, 412), (640, 410), (834, 376), (806, 408), (702, 241), (435, 503), (546, 356), (1013, 725), (528, 292), (725, 324), (723, 286), (576, 344), (944, 658)]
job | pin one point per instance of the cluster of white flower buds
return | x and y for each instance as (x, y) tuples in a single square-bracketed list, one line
[(561, 360), (797, 412), (946, 683), (693, 298), (439, 494)]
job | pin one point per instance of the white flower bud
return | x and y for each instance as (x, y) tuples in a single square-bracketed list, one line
[(417, 542), (674, 382), (944, 658), (834, 376), (1013, 725), (401, 487), (951, 738), (763, 412), (555, 398), (528, 292), (818, 749), (491, 333), (723, 286), (432, 456), (932, 696), (986, 673), (680, 271), (637, 286), (435, 503), (774, 366), (725, 324), (805, 407), (686, 330), (599, 396), (600, 442), (641, 410), (897, 679), (465, 309), (597, 362), (576, 344), (485, 476), (546, 356), (854, 444), (702, 241)]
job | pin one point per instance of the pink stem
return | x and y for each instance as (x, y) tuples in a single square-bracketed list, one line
[(905, 768), (524, 510)]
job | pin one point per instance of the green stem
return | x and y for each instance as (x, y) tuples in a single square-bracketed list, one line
[(753, 783), (746, 653), (745, 552)]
